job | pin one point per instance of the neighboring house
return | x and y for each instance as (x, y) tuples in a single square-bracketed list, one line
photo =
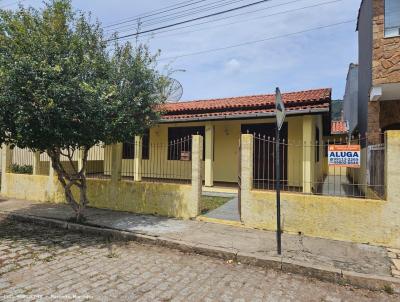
[(350, 99), (339, 127), (221, 121), (379, 67)]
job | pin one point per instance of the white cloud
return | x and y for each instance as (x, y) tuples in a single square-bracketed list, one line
[(232, 66)]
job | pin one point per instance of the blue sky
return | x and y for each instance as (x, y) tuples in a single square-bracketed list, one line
[(314, 59)]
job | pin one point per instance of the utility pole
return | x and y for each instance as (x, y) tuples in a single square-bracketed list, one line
[(280, 118)]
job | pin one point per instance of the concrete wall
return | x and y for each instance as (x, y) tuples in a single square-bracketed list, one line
[(175, 200), (172, 200), (350, 219)]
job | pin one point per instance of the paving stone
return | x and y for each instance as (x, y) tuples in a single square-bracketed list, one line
[(396, 263), (144, 273)]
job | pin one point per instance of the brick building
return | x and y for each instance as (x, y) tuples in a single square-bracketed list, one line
[(379, 67)]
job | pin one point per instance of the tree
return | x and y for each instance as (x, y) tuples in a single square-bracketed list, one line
[(62, 90)]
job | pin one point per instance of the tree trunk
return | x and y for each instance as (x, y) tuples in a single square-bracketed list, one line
[(69, 180)]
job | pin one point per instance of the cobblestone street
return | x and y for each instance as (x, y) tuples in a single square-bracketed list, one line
[(42, 264)]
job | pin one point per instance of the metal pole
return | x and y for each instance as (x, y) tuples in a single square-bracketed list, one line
[(278, 194)]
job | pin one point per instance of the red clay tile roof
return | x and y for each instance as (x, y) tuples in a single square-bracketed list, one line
[(339, 127), (301, 101)]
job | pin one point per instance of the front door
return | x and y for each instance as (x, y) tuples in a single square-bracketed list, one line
[(264, 153)]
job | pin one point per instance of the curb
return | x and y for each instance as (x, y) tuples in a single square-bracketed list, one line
[(221, 221), (361, 280)]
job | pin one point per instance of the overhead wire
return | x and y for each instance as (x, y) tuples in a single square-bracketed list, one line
[(258, 41)]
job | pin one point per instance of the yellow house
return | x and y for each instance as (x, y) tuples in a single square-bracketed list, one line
[(220, 122)]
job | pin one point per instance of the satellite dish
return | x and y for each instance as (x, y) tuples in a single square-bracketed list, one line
[(173, 92)]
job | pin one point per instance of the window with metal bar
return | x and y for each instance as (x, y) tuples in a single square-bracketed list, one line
[(175, 150), (128, 149), (392, 18)]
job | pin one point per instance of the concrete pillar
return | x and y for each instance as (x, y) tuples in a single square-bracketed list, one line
[(6, 160), (137, 175), (209, 152), (197, 180), (52, 173), (246, 175), (116, 162), (36, 163), (392, 165), (80, 159), (308, 153)]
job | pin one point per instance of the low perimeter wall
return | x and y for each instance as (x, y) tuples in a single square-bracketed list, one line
[(357, 220), (165, 199), (350, 219)]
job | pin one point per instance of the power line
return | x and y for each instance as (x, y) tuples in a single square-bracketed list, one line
[(258, 41), (178, 15), (155, 12), (239, 21), (190, 20)]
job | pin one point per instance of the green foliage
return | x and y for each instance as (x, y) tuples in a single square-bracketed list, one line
[(60, 87), (336, 110), (21, 169), (209, 203)]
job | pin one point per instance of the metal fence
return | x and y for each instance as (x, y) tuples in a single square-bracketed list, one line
[(304, 168), (99, 162), (22, 161), (376, 168), (159, 162)]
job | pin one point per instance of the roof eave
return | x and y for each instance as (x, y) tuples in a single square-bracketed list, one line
[(244, 116)]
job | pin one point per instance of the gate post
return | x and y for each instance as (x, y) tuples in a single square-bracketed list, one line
[(6, 160), (36, 163), (197, 180), (246, 172), (392, 165), (116, 162), (137, 175), (80, 160)]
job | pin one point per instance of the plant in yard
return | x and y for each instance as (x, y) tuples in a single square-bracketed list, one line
[(21, 169), (63, 90)]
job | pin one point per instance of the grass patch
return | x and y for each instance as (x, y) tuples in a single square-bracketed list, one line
[(209, 203)]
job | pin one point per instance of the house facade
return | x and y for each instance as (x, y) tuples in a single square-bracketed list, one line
[(222, 121), (379, 67)]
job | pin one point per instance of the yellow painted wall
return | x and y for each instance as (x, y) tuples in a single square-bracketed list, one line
[(163, 199), (147, 198), (295, 152), (357, 220)]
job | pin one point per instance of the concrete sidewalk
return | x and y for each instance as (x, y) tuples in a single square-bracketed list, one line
[(336, 256)]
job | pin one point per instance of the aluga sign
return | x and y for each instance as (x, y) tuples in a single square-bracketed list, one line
[(344, 156)]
